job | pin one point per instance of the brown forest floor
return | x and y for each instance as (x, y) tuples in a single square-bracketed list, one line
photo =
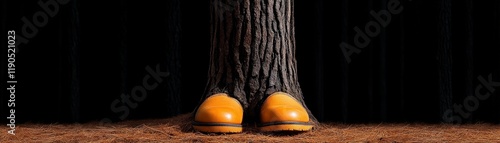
[(170, 130)]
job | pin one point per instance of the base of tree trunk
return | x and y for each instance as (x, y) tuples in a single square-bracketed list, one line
[(253, 52)]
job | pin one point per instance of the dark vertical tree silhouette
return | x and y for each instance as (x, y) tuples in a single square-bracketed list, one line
[(4, 14), (172, 61), (344, 77), (74, 55), (318, 60), (469, 49), (401, 81), (165, 27), (124, 66), (3, 62), (372, 78), (382, 83), (444, 57), (497, 35), (253, 51), (498, 44), (68, 66)]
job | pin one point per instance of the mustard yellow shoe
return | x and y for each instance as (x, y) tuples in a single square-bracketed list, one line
[(219, 113), (282, 112)]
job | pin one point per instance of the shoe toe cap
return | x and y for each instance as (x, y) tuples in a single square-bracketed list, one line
[(220, 108), (219, 115), (282, 114), (281, 107)]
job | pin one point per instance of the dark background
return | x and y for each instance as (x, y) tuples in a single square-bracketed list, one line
[(92, 52)]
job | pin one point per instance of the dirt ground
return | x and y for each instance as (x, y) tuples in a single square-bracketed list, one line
[(172, 130)]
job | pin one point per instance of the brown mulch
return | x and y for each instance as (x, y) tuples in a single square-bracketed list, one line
[(172, 130)]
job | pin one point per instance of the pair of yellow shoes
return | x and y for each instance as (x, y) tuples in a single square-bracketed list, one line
[(220, 113)]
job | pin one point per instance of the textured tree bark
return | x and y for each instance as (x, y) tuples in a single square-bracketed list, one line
[(253, 52)]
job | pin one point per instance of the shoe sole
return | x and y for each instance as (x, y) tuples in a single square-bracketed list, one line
[(217, 128), (287, 127)]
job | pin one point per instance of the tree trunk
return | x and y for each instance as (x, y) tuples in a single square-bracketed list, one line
[(68, 82), (74, 41), (124, 62), (498, 58), (253, 51), (469, 51), (382, 83), (344, 78), (173, 80), (401, 82), (444, 57)]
